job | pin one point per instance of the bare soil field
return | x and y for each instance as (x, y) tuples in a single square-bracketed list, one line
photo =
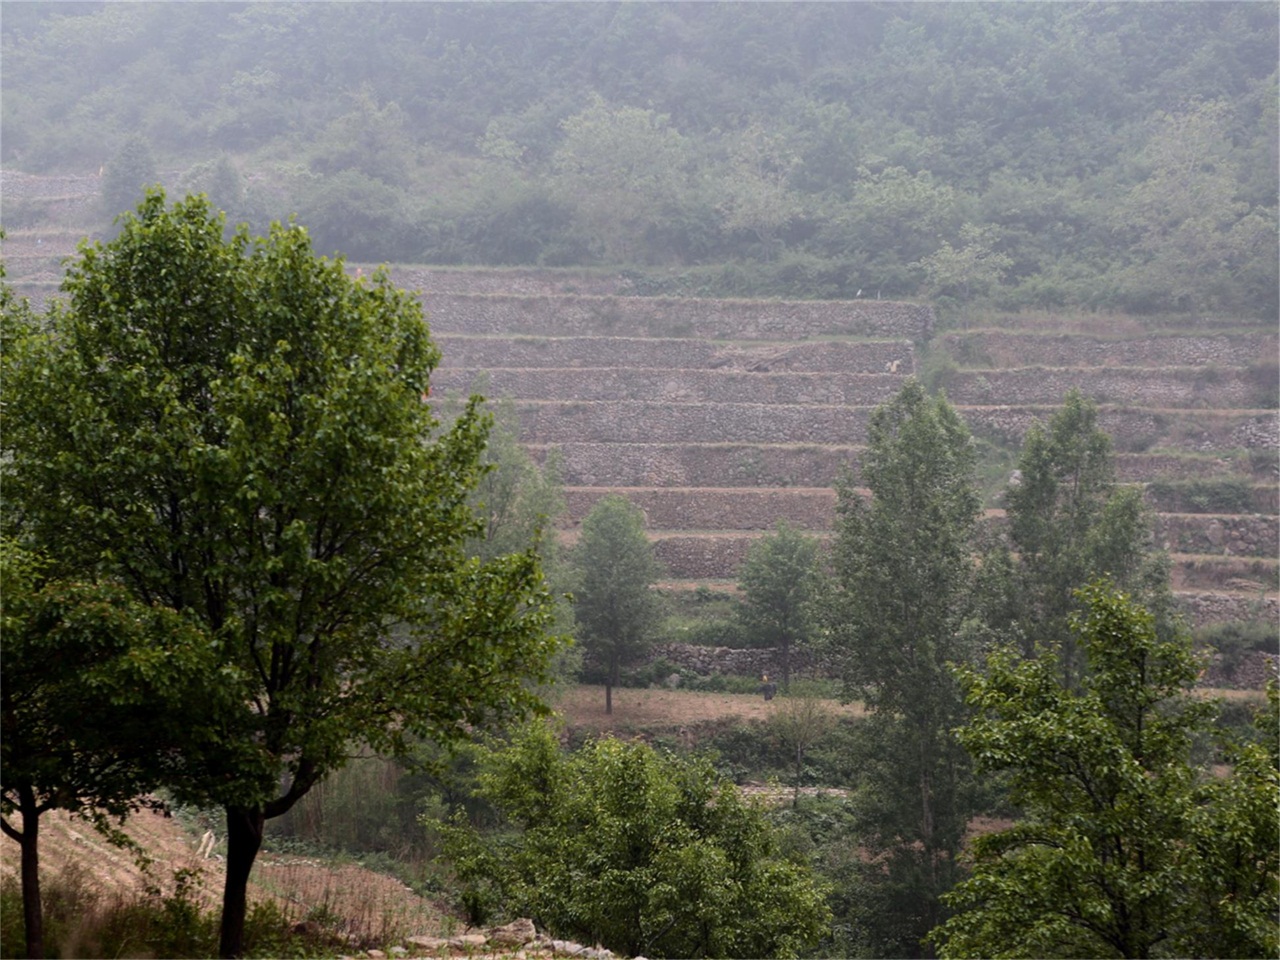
[(657, 709)]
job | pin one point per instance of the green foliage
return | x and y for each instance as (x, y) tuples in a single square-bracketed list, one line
[(1069, 522), (1123, 849), (639, 851), (614, 570), (893, 615), (778, 580), (129, 173), (1231, 495), (235, 429)]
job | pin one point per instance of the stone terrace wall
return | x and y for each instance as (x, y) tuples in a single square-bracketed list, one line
[(1143, 467), (700, 465), (997, 349), (490, 352), (518, 282), (638, 422), (662, 317), (1206, 608), (705, 557), (1153, 388), (1233, 535), (678, 386), (717, 509), (1137, 429), (706, 661)]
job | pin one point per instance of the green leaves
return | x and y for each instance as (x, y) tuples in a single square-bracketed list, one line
[(1124, 848), (640, 851)]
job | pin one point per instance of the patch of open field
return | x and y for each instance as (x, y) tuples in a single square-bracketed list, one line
[(582, 707)]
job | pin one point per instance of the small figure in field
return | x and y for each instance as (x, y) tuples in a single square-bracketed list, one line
[(768, 687)]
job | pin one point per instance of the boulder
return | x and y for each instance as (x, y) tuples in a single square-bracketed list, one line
[(514, 934)]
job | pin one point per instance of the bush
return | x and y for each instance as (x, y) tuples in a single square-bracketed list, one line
[(639, 851)]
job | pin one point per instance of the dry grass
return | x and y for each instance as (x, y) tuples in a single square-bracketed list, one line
[(583, 708)]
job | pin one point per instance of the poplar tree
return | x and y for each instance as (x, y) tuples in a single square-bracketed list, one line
[(893, 615)]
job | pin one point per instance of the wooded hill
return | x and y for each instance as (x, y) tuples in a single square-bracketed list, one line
[(1102, 156)]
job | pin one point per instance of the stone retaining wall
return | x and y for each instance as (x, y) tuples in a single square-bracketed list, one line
[(490, 352), (513, 282), (638, 422), (699, 465), (1136, 429), (707, 509), (665, 317), (1145, 467), (728, 661), (1205, 608), (997, 349), (1184, 387), (1227, 535), (677, 386), (706, 557)]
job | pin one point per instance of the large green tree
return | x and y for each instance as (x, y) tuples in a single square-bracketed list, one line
[(1124, 847), (643, 852), (777, 579), (102, 699), (613, 575), (236, 429), (893, 616)]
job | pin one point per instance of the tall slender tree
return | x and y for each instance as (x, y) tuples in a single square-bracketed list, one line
[(777, 580), (614, 572), (901, 572)]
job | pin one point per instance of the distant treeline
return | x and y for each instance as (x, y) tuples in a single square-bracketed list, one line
[(1119, 156)]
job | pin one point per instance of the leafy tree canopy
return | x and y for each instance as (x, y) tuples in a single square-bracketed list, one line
[(1124, 848), (645, 853), (235, 429)]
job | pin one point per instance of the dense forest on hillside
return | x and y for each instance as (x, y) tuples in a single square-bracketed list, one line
[(1119, 156)]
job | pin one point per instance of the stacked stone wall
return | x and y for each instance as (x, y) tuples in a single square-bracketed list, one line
[(999, 349), (1145, 467), (638, 422), (509, 282), (717, 509), (662, 317), (1186, 387), (1202, 609), (1139, 429), (730, 661), (678, 386), (491, 352), (705, 557), (1226, 535), (699, 465)]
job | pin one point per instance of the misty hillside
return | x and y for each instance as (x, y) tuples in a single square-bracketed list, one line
[(1037, 155)]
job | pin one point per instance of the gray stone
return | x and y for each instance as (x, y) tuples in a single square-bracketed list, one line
[(514, 934)]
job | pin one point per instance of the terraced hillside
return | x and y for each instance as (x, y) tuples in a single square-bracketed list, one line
[(719, 417)]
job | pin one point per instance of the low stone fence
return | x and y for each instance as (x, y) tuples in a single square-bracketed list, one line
[(718, 509), (677, 386), (665, 317), (728, 661), (1206, 608), (665, 353), (699, 465), (996, 349), (1146, 467), (514, 281), (1232, 389)]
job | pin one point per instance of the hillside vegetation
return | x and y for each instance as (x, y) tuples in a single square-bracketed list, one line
[(1111, 155)]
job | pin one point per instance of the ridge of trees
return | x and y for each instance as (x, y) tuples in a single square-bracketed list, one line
[(1112, 155)]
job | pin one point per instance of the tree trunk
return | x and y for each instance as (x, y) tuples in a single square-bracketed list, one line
[(244, 838), (32, 910), (610, 684), (786, 664)]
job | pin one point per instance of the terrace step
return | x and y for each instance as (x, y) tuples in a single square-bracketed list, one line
[(672, 353), (675, 385), (715, 508), (1006, 349), (574, 315), (1163, 387), (1247, 575), (683, 464)]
